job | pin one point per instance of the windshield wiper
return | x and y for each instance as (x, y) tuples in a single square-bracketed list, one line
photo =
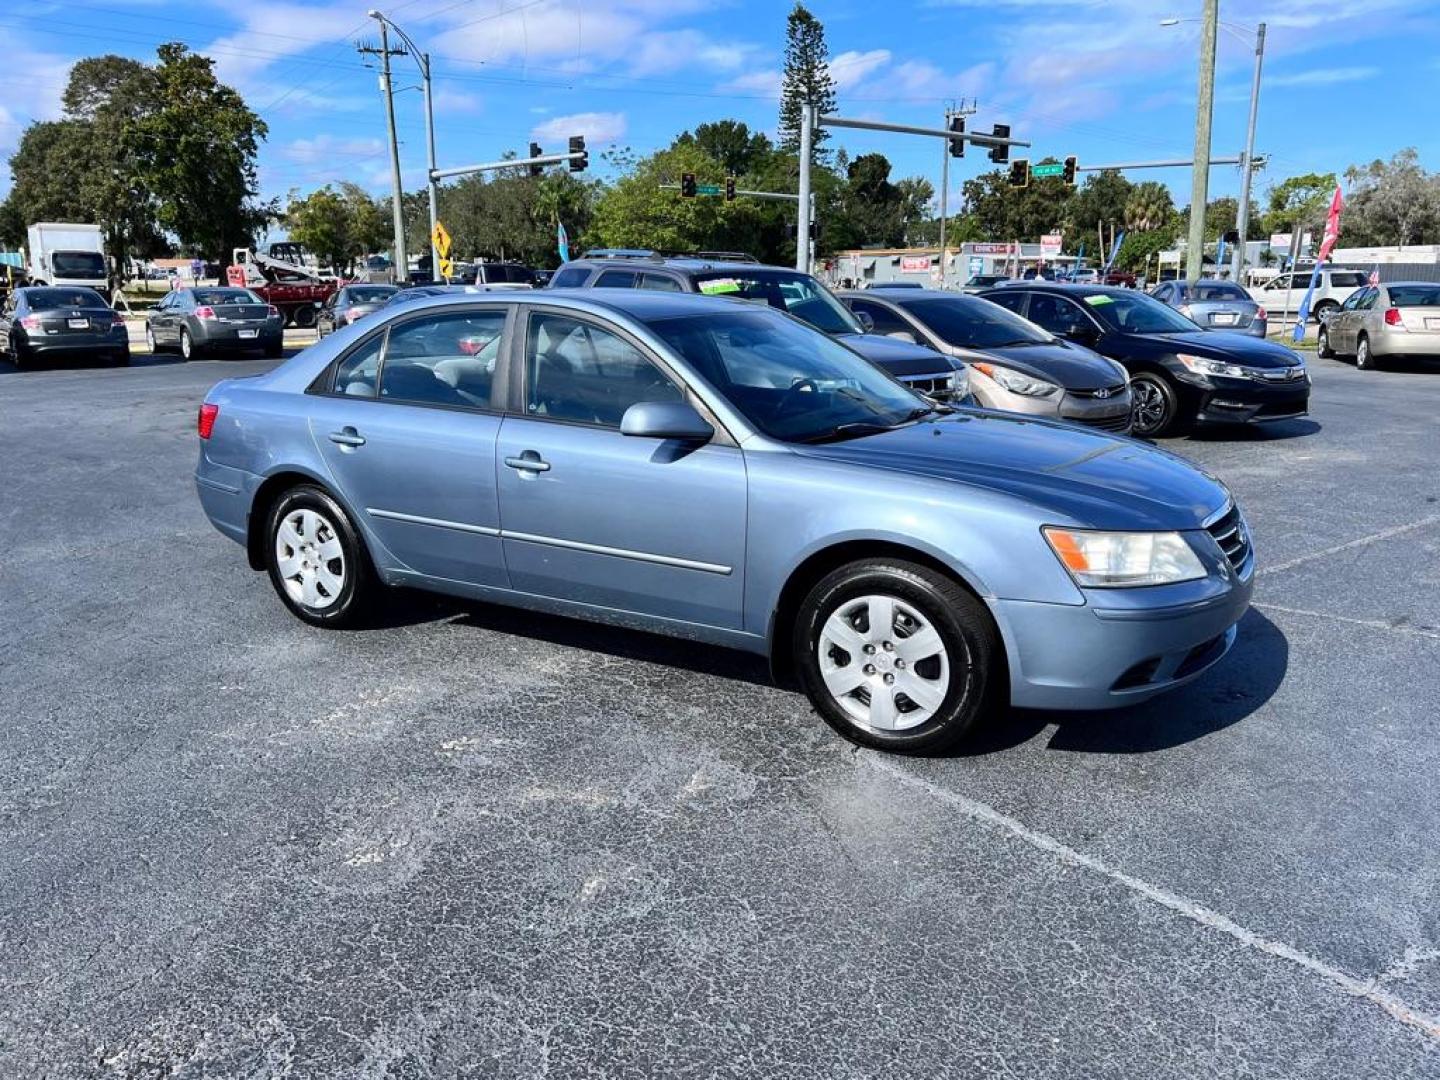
[(1008, 344), (855, 429)]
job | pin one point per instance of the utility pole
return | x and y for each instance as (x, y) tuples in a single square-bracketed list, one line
[(944, 192), (1247, 167), (399, 265), (1200, 173), (802, 227)]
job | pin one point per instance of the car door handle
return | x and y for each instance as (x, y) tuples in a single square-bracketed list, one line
[(347, 437), (528, 462)]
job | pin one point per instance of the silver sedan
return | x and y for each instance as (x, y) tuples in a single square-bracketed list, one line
[(1215, 305), (1398, 318)]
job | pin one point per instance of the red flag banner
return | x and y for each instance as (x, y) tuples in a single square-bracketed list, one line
[(1332, 224)]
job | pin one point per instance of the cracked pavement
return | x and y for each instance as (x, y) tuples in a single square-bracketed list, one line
[(484, 843)]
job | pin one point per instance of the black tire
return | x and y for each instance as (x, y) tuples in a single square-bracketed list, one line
[(155, 347), (1156, 408), (1364, 358), (972, 648), (306, 317), (188, 349), (1322, 344), (353, 603)]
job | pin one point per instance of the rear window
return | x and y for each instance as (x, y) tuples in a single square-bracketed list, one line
[(1217, 290), (1346, 279), (49, 299), (226, 296), (375, 294), (1414, 295)]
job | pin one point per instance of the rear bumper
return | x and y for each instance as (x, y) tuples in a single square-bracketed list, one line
[(52, 345), (228, 336), (1091, 657), (1405, 343), (226, 495)]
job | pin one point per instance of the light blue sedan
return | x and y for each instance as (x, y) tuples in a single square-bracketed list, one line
[(714, 470)]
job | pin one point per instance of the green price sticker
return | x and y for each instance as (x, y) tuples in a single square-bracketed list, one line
[(1098, 299)]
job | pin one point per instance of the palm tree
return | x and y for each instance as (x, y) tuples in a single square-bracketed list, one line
[(1148, 207)]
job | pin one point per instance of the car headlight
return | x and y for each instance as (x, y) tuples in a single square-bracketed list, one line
[(1116, 560), (1203, 365), (1017, 383), (960, 383)]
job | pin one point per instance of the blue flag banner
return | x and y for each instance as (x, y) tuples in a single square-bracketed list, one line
[(1303, 315), (562, 241)]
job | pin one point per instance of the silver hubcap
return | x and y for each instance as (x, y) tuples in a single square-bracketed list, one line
[(310, 559), (185, 344), (150, 337), (883, 663), (1149, 405)]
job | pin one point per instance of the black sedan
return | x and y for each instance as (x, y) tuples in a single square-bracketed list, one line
[(351, 302), (60, 323), (196, 320), (1179, 373)]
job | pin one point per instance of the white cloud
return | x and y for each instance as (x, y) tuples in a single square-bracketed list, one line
[(1322, 76), (324, 148), (850, 68), (765, 83), (597, 127), (457, 101), (663, 51), (273, 32)]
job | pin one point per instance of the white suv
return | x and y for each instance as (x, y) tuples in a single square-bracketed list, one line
[(1332, 290)]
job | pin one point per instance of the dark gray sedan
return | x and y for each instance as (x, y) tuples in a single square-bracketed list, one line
[(1215, 305), (349, 303), (197, 320), (52, 322)]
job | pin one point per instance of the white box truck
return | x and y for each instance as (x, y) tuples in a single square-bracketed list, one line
[(64, 254)]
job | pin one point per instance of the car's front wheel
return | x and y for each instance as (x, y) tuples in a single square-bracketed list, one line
[(1155, 407), (316, 559), (1322, 344), (897, 656)]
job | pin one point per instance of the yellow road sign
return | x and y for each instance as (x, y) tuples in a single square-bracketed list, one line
[(447, 267), (441, 239)]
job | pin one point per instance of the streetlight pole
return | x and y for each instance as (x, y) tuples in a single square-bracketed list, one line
[(1200, 172), (423, 60), (805, 206), (1247, 165), (397, 256), (944, 198)]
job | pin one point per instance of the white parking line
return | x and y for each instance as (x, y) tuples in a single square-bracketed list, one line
[(1372, 538), (1374, 624), (1367, 989)]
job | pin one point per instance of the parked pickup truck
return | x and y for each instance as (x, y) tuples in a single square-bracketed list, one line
[(1333, 289)]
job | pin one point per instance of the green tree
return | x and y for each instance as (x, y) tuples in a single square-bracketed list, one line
[(739, 150), (338, 228), (1003, 212), (1299, 204), (1394, 202), (807, 76)]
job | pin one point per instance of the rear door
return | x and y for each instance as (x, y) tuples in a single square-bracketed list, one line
[(592, 516), (407, 428)]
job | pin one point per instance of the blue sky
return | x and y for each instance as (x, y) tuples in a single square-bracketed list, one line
[(1345, 80)]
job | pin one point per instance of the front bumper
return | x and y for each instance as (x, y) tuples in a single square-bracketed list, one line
[(1245, 401), (1095, 656)]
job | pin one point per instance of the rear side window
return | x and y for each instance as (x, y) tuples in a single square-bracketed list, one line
[(1011, 299), (445, 359), (660, 283), (580, 372), (571, 278), (1346, 279), (616, 279), (359, 372)]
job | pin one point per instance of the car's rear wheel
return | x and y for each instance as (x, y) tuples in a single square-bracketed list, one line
[(1155, 407), (896, 656), (188, 349), (316, 559), (1364, 356), (1322, 344)]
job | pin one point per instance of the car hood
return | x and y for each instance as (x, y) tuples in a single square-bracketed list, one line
[(1069, 473), (896, 356), (1224, 345), (1072, 366)]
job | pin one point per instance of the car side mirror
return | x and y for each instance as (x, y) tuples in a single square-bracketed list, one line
[(1081, 333), (867, 322), (666, 420)]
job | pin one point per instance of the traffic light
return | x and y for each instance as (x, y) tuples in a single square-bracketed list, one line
[(729, 189), (535, 151), (957, 146), (1071, 164), (577, 146), (687, 185), (1000, 154), (1020, 172)]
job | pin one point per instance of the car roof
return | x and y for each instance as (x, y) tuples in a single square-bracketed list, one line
[(898, 296), (1065, 288), (642, 305), (686, 264)]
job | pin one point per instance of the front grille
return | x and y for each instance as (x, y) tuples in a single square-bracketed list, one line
[(1230, 533), (1100, 393), (935, 386), (1120, 423)]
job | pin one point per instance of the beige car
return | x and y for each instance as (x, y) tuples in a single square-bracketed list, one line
[(1398, 318)]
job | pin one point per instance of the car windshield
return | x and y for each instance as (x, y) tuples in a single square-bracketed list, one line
[(788, 381), (972, 323), (1212, 290), (80, 264), (1414, 295), (226, 296), (1136, 313), (799, 294), (372, 294), (50, 299)]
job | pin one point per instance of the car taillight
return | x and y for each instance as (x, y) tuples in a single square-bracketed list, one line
[(205, 424), (1392, 317), (116, 319), (31, 322), (274, 311), (205, 312), (351, 314)]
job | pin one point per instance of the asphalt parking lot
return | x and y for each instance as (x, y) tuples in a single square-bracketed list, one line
[(479, 842)]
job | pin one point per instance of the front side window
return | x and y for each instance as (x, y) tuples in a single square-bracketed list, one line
[(789, 381), (578, 371), (799, 294), (446, 359), (1367, 299)]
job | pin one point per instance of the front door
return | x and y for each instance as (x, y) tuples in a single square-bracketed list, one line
[(592, 516), (408, 433)]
